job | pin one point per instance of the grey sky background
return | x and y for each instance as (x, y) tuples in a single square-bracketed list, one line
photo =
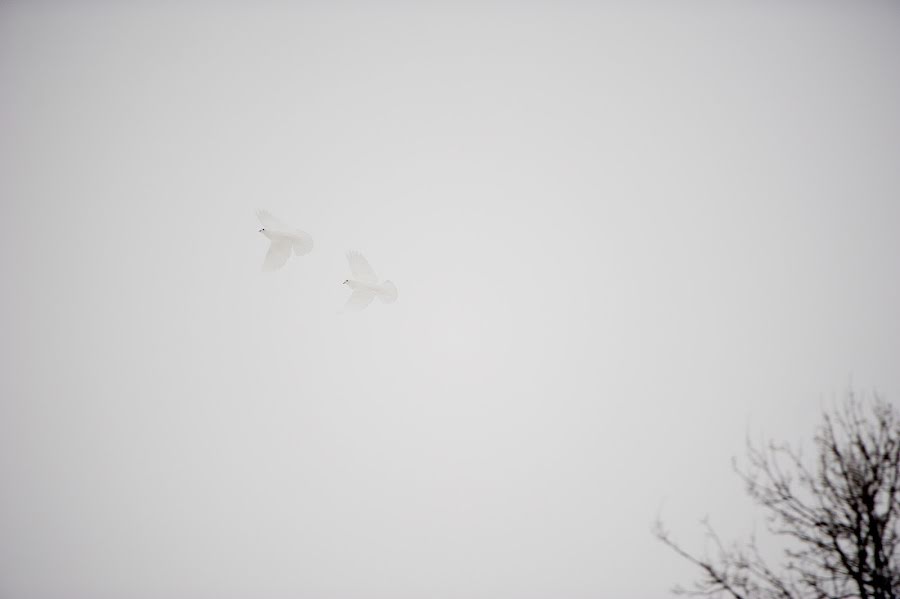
[(624, 238)]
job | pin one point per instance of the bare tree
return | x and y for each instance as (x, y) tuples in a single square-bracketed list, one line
[(839, 517)]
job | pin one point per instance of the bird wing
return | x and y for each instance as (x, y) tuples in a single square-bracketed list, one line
[(302, 242), (360, 268), (359, 299), (278, 254), (270, 222)]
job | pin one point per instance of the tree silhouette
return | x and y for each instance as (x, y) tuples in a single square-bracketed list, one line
[(839, 518)]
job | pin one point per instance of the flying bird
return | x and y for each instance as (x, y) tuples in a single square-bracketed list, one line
[(284, 240), (365, 284)]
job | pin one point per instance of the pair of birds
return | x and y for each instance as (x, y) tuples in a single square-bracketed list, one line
[(285, 240)]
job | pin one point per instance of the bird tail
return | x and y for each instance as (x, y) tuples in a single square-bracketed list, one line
[(388, 292)]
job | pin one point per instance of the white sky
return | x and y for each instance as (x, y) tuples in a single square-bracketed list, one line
[(623, 239)]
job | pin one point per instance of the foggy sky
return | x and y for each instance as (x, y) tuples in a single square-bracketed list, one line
[(624, 238)]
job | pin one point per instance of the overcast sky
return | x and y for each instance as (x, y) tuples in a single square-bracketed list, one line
[(623, 237)]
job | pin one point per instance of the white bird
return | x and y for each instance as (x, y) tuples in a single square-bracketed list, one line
[(365, 284), (284, 239)]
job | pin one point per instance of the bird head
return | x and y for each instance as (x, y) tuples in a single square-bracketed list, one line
[(345, 282), (261, 230)]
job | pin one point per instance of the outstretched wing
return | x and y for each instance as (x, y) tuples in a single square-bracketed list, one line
[(360, 268), (279, 252), (303, 243), (270, 222), (359, 299)]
